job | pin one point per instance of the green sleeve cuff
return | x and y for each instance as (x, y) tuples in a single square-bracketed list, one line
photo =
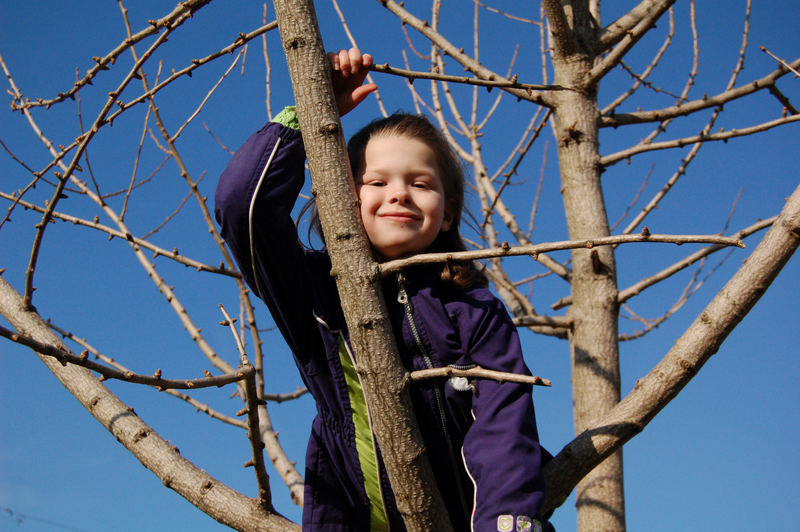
[(287, 117)]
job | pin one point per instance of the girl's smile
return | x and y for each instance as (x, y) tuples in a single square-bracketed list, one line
[(402, 197)]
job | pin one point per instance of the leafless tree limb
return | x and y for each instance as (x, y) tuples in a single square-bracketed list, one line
[(614, 158), (65, 357), (176, 17), (505, 83), (706, 102), (620, 28), (641, 79), (631, 36), (113, 233), (535, 249), (476, 373), (253, 432)]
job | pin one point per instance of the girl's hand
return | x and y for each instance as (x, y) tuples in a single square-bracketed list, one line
[(348, 70)]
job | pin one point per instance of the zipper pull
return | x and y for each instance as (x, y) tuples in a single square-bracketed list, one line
[(402, 296)]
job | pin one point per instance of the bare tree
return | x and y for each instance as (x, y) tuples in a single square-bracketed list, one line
[(156, 221)]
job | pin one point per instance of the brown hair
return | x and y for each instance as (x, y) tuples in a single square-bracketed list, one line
[(463, 274)]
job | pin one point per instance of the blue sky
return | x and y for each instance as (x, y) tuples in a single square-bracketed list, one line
[(721, 456)]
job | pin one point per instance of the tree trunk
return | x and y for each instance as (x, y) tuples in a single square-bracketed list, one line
[(594, 344), (383, 376)]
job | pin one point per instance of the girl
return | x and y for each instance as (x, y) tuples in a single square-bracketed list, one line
[(481, 436)]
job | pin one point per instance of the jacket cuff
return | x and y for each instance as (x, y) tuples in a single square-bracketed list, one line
[(287, 117)]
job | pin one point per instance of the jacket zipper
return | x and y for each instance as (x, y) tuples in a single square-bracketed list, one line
[(402, 298)]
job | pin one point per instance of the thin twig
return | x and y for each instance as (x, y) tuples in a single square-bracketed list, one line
[(253, 431), (705, 102), (113, 233), (508, 15), (65, 357), (477, 373), (781, 61), (175, 17), (503, 83), (614, 158)]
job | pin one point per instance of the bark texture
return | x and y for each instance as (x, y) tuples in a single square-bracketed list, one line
[(594, 346), (222, 503), (384, 378)]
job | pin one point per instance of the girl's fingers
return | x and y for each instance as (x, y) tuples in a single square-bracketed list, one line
[(344, 63), (355, 59), (349, 61), (366, 61)]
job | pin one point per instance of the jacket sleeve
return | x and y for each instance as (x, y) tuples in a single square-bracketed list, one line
[(253, 203), (501, 448)]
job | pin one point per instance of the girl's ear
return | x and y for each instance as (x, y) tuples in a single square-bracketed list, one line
[(447, 221)]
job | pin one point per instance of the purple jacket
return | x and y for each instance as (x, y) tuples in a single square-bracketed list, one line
[(481, 436)]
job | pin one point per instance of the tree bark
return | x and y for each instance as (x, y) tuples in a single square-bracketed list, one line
[(222, 503), (594, 345), (384, 378)]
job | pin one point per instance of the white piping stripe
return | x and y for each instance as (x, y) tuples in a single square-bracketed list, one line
[(250, 217), (474, 485), (324, 323)]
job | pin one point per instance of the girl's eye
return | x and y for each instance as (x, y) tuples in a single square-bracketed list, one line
[(421, 184)]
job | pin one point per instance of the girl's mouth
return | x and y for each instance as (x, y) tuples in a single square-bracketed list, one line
[(399, 216)]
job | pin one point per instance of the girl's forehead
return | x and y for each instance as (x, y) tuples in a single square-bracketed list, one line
[(398, 150)]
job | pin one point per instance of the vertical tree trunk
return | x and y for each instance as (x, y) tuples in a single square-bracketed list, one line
[(593, 344), (594, 341), (383, 376)]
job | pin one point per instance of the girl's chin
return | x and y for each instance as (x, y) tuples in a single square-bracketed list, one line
[(385, 254)]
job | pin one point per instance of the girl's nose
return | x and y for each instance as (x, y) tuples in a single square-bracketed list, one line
[(398, 194)]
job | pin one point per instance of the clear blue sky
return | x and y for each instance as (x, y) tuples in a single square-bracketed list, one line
[(721, 456)]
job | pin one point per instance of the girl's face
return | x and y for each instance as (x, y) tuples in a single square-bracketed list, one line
[(402, 197)]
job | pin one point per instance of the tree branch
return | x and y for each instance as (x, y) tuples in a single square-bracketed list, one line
[(564, 43), (705, 102), (477, 373), (623, 26), (614, 158), (533, 250), (66, 357), (504, 83)]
